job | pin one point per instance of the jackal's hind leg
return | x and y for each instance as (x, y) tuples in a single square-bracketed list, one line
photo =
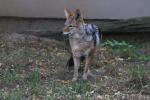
[(76, 67)]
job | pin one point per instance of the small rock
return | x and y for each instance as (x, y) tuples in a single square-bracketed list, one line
[(78, 96), (124, 97), (117, 93), (99, 97), (107, 97), (119, 59)]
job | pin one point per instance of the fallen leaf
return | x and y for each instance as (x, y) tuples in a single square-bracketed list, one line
[(129, 58), (43, 72), (66, 81), (1, 64)]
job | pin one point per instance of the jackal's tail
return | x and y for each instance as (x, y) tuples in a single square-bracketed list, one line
[(98, 36), (95, 31)]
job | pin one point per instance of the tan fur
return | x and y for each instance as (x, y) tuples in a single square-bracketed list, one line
[(79, 46)]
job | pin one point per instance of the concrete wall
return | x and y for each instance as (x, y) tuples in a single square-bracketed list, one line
[(113, 9)]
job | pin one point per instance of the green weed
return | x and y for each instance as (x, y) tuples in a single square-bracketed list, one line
[(15, 95), (117, 44), (34, 78), (138, 72), (144, 57), (121, 48), (34, 81), (10, 76), (80, 87)]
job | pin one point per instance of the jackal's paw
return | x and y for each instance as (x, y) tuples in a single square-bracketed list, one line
[(74, 79), (84, 76)]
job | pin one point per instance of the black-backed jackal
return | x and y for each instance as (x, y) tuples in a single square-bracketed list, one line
[(83, 38)]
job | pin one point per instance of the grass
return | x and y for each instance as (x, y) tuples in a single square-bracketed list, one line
[(126, 50), (121, 48), (34, 80), (138, 72), (144, 58), (80, 87), (69, 90), (10, 76), (139, 79), (13, 95), (139, 76), (33, 72)]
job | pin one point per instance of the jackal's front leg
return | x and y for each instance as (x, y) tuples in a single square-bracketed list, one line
[(86, 68), (76, 67)]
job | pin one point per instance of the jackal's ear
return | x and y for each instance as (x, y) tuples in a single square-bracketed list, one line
[(67, 12), (77, 14)]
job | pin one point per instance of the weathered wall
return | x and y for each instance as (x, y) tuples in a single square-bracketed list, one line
[(113, 9)]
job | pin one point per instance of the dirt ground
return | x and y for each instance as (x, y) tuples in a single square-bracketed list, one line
[(33, 67)]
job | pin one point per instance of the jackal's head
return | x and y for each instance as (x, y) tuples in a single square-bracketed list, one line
[(73, 21)]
